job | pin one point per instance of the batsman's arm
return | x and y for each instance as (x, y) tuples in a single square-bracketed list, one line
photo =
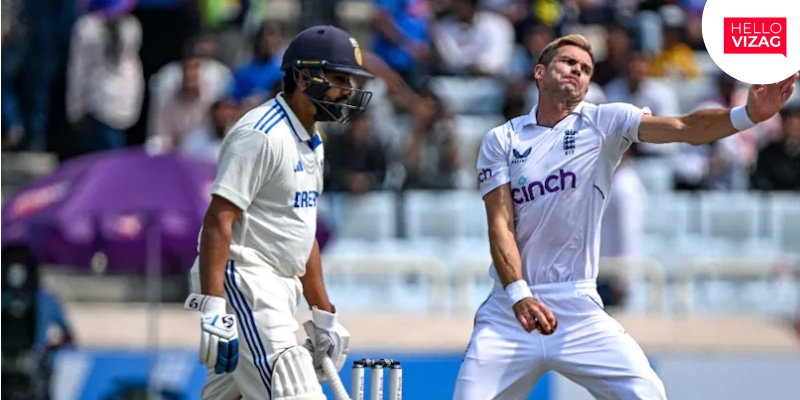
[(502, 239), (313, 283), (246, 162), (215, 241)]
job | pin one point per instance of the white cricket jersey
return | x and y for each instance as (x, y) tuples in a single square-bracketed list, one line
[(271, 168), (560, 179)]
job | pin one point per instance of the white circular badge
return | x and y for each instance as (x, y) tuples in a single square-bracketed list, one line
[(756, 42)]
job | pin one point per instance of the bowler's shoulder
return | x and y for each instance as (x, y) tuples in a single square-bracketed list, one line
[(500, 137), (606, 113)]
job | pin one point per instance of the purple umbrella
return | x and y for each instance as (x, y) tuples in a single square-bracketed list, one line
[(114, 206)]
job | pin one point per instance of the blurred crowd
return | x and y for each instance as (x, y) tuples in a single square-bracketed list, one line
[(82, 76)]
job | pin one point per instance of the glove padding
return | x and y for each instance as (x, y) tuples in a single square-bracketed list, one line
[(219, 339), (326, 338)]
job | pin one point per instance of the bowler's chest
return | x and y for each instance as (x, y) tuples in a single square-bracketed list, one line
[(541, 151)]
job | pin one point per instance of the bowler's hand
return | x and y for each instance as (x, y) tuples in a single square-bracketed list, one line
[(533, 315), (764, 101)]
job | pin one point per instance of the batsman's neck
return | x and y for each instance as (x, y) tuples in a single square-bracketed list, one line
[(549, 113), (303, 108)]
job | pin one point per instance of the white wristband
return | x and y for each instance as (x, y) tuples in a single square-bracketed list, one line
[(739, 118), (323, 319), (518, 290)]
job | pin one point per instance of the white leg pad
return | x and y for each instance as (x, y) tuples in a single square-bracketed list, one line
[(294, 378)]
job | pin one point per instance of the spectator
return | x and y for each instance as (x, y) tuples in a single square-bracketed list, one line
[(174, 117), (355, 160), (228, 19), (694, 23), (431, 155), (473, 42), (255, 80), (402, 36), (526, 55), (636, 88), (778, 166), (517, 12), (13, 124), (205, 142), (676, 59), (43, 31), (618, 49), (105, 83), (730, 158), (215, 76), (315, 12), (691, 164), (36, 325)]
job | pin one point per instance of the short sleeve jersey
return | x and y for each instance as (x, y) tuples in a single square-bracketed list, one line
[(271, 168), (560, 178)]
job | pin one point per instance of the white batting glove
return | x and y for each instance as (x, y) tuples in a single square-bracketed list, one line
[(219, 340), (326, 338)]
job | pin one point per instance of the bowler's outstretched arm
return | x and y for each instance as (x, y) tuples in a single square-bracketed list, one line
[(707, 126)]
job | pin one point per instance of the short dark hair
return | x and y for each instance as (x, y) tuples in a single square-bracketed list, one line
[(289, 82)]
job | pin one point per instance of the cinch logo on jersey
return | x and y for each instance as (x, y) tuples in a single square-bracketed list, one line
[(484, 175), (755, 36), (305, 199), (551, 184)]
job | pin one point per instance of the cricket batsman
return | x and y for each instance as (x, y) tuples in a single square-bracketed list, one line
[(257, 249), (545, 178)]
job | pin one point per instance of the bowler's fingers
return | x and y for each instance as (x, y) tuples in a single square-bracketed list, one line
[(526, 321), (550, 318), (540, 311)]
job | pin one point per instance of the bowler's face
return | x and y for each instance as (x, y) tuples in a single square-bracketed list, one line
[(568, 74)]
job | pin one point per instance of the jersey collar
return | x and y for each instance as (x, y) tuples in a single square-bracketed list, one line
[(298, 129), (531, 117)]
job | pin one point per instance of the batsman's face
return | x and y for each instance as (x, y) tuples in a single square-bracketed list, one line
[(568, 75), (341, 87)]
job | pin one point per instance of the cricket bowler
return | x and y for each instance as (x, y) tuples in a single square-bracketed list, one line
[(544, 178)]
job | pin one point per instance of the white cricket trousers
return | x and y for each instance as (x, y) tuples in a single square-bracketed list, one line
[(265, 305), (503, 362)]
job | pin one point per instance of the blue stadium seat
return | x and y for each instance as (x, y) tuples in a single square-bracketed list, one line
[(784, 221), (370, 216), (655, 174), (447, 214), (732, 215)]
